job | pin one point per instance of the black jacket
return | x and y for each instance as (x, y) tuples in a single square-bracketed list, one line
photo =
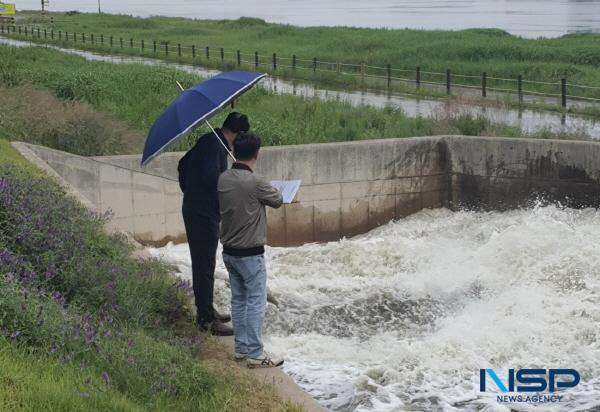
[(199, 172)]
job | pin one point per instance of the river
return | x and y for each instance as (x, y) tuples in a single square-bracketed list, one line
[(528, 18), (403, 318)]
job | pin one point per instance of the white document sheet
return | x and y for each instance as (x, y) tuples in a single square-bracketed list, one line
[(288, 188)]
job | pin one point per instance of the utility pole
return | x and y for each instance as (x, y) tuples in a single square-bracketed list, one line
[(99, 8), (45, 6)]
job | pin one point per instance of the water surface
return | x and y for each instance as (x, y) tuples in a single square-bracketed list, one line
[(402, 318)]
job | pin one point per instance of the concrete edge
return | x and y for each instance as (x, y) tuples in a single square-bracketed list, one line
[(28, 154), (284, 385), (31, 157)]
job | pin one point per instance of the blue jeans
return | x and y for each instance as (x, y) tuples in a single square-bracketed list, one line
[(248, 281)]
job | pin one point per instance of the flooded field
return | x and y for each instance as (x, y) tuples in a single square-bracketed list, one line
[(527, 120), (529, 18)]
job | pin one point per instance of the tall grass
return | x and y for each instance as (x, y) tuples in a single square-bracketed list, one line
[(469, 52), (36, 116)]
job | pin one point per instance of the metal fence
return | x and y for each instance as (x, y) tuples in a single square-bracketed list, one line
[(378, 77)]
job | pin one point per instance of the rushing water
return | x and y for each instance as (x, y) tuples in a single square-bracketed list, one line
[(530, 18), (403, 317), (526, 120)]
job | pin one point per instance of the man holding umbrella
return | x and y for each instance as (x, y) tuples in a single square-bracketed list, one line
[(199, 172)]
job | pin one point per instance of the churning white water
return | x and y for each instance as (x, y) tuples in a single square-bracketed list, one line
[(404, 317)]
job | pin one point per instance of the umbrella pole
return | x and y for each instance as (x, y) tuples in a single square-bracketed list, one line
[(221, 141), (213, 130)]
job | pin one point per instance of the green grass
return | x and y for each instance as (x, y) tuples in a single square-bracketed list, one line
[(32, 382), (468, 52), (137, 94)]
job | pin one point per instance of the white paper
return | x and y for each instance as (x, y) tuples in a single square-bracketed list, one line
[(288, 188)]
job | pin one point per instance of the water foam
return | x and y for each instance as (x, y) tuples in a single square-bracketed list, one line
[(403, 318)]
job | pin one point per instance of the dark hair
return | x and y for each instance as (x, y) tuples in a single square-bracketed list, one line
[(246, 146), (236, 122)]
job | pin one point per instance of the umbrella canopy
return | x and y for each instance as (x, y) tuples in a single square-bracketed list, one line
[(194, 106)]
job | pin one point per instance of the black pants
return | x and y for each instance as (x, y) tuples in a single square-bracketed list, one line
[(203, 238)]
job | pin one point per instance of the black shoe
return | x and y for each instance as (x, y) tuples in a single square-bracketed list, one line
[(218, 328), (222, 316)]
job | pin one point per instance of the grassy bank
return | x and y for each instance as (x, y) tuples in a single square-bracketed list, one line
[(468, 52), (137, 94), (85, 327)]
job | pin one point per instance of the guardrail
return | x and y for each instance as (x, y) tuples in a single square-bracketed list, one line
[(377, 77)]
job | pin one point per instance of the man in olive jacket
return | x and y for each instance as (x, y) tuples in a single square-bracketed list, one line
[(199, 172), (243, 196)]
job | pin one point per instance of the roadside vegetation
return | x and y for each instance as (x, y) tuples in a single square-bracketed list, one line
[(62, 101), (467, 52), (85, 327)]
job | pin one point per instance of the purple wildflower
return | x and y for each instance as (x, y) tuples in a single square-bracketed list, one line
[(3, 184), (59, 298), (106, 378)]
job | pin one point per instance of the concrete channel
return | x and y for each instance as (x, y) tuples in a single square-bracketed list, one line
[(347, 188)]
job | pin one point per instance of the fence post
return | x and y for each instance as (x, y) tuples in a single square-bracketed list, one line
[(389, 75), (207, 53), (520, 88), (484, 84), (19, 30), (38, 32), (166, 49), (294, 62), (222, 56), (59, 35), (255, 59), (314, 65), (193, 51), (121, 41), (563, 93), (52, 34), (111, 41), (45, 33), (131, 43), (142, 44), (102, 39), (92, 38), (83, 37), (274, 61), (448, 82), (362, 73), (239, 58), (154, 46), (179, 49), (418, 78), (74, 37)]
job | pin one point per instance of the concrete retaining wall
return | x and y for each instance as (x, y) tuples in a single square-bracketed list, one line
[(347, 188), (503, 174), (350, 188), (147, 206)]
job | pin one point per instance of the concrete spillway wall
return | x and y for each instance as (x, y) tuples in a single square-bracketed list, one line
[(348, 188)]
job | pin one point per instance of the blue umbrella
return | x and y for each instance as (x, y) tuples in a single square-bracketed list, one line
[(194, 106)]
